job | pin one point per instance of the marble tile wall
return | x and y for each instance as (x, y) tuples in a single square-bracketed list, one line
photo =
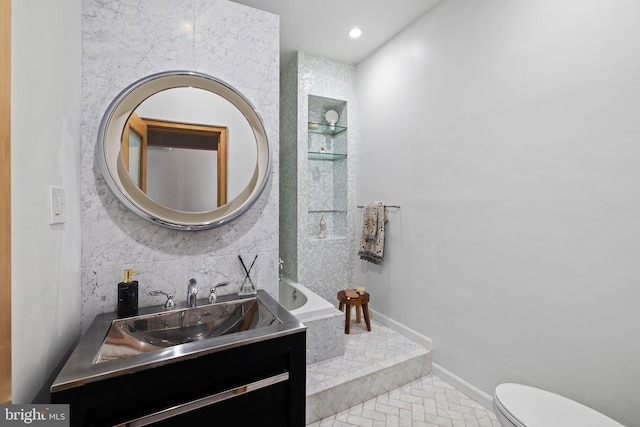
[(122, 42), (289, 169), (322, 265), (325, 337)]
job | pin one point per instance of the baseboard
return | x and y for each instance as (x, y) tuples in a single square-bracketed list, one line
[(470, 390), (403, 330)]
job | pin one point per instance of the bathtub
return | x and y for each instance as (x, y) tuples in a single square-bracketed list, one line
[(302, 302), (324, 322)]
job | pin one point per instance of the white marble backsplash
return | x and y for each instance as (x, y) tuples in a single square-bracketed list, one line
[(236, 44)]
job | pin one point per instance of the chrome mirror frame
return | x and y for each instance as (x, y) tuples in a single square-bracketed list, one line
[(123, 187)]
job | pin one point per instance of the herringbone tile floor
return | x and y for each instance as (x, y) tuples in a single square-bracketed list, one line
[(426, 402)]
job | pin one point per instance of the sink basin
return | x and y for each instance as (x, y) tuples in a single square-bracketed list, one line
[(113, 349), (251, 352), (151, 332)]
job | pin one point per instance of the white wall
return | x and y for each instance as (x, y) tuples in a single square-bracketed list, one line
[(509, 133), (45, 145)]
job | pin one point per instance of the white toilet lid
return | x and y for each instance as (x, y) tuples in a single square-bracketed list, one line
[(531, 407)]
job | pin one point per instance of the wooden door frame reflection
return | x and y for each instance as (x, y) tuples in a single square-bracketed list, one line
[(184, 135)]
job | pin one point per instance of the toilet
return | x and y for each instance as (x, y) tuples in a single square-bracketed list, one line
[(517, 405)]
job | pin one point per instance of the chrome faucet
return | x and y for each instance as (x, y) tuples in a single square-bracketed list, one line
[(170, 304), (212, 294), (192, 293)]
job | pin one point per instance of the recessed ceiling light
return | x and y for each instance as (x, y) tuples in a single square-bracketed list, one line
[(355, 33)]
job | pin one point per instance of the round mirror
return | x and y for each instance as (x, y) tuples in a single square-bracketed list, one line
[(184, 150), (332, 117)]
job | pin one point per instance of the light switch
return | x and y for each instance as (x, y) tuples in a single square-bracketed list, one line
[(57, 206)]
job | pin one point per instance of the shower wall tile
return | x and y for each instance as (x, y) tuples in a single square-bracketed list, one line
[(289, 169), (122, 43), (326, 265)]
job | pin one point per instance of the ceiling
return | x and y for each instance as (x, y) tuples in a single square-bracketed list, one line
[(321, 27)]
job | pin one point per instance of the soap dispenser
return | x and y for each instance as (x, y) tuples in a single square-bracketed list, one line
[(128, 295)]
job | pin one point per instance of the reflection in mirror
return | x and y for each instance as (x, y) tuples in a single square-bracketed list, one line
[(191, 152), (187, 165), (191, 137), (134, 150)]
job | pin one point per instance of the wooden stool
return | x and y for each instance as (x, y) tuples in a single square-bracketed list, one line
[(351, 298)]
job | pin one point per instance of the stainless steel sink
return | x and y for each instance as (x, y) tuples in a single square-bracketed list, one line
[(157, 337), (151, 332)]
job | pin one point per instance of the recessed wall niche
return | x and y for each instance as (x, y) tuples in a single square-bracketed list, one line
[(328, 168)]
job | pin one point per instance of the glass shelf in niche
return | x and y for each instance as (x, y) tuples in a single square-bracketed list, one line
[(323, 155), (325, 128), (328, 238), (328, 211)]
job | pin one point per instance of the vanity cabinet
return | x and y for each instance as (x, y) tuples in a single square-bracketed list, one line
[(274, 366), (257, 381), (327, 168)]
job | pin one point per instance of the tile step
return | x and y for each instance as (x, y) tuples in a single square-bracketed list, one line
[(374, 363)]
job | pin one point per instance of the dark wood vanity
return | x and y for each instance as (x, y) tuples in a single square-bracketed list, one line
[(254, 377)]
